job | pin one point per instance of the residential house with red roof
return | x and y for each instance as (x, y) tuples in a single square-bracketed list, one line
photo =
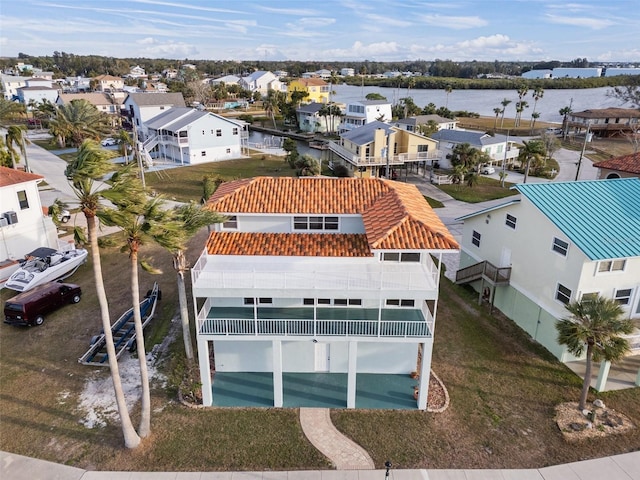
[(619, 167), (314, 287)]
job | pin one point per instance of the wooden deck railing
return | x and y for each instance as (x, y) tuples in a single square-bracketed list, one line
[(486, 270)]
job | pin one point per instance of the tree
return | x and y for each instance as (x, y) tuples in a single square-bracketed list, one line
[(91, 164), (141, 220), (189, 219), (565, 111), (628, 93), (447, 89), (538, 93), (497, 111), (551, 144), (594, 327), (10, 111), (533, 150), (534, 117), (504, 104), (291, 147), (467, 156), (17, 136), (521, 104), (308, 166), (126, 144), (78, 120)]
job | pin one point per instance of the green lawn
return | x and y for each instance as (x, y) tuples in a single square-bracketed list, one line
[(486, 189), (185, 183)]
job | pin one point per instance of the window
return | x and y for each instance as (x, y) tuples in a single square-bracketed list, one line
[(203, 153), (589, 296), (218, 133), (235, 130), (355, 301), (22, 199), (324, 301), (560, 246), (340, 301), (315, 223), (511, 221), (410, 257), (400, 257), (308, 301), (611, 266), (231, 223), (423, 148), (391, 256), (623, 297), (265, 301), (395, 302), (407, 303), (475, 238), (249, 301), (391, 302), (563, 294), (228, 150)]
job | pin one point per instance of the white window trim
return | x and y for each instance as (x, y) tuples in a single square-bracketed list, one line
[(555, 295), (507, 222), (610, 270), (629, 297), (553, 244)]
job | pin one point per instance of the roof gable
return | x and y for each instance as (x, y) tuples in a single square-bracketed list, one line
[(601, 217), (9, 176), (625, 163)]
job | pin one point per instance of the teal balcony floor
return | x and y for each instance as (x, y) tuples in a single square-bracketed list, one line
[(320, 390)]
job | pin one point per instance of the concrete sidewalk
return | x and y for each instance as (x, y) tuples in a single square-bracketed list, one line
[(619, 467)]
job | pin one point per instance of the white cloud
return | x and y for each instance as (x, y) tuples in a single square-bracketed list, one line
[(315, 21), (589, 22), (170, 50), (456, 23), (146, 41), (359, 51), (493, 41), (387, 21)]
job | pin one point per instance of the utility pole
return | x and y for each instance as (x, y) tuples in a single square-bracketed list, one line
[(504, 160), (584, 146), (139, 157)]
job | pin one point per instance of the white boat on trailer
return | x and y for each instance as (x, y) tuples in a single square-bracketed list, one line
[(45, 265)]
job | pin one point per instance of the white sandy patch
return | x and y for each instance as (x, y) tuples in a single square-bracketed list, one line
[(98, 401)]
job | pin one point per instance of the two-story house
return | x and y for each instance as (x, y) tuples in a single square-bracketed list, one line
[(499, 148), (317, 90), (559, 243), (413, 124), (330, 282), (310, 119), (369, 150), (104, 102), (262, 82), (604, 122), (359, 113), (188, 136), (10, 85), (37, 90), (107, 83), (23, 228), (142, 107)]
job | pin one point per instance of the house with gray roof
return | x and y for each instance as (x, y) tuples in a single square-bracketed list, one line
[(499, 148), (262, 82), (141, 107), (361, 112), (413, 124), (557, 243), (188, 136)]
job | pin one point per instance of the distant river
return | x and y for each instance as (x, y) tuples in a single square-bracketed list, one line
[(484, 101)]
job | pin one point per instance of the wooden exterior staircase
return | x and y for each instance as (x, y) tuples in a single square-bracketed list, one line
[(484, 271)]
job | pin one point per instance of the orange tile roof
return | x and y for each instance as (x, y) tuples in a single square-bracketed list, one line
[(288, 244), (9, 176), (395, 214), (318, 82), (626, 163)]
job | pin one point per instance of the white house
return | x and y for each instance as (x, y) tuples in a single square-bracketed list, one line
[(136, 72), (559, 243), (23, 227), (142, 107), (331, 279), (11, 84), (412, 124), (262, 82), (309, 119), (365, 111), (189, 136), (37, 90), (498, 147), (347, 72)]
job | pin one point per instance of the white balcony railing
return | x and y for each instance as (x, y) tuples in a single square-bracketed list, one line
[(399, 159)]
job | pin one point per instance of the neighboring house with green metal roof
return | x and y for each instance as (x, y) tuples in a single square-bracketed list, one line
[(559, 243)]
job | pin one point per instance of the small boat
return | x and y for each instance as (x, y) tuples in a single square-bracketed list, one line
[(123, 331), (45, 265), (7, 267)]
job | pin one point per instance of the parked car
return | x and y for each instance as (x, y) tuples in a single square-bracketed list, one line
[(554, 131), (29, 308), (109, 142), (487, 170)]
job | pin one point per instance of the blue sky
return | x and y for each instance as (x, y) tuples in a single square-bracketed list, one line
[(331, 30)]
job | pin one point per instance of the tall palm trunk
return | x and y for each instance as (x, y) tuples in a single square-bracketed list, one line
[(131, 438), (145, 417), (180, 265), (587, 378)]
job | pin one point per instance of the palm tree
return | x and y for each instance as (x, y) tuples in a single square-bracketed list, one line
[(10, 111), (188, 219), (534, 117), (126, 143), (595, 328), (533, 150), (140, 220), (521, 104), (504, 104), (538, 93), (16, 136), (447, 89), (564, 111), (466, 155), (89, 167), (497, 111), (77, 120), (308, 166)]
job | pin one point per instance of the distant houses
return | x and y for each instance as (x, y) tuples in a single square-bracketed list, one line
[(605, 122)]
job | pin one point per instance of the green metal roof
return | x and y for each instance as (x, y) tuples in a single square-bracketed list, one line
[(600, 217)]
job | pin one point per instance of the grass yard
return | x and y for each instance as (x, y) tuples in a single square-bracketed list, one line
[(503, 390), (185, 183), (486, 189)]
